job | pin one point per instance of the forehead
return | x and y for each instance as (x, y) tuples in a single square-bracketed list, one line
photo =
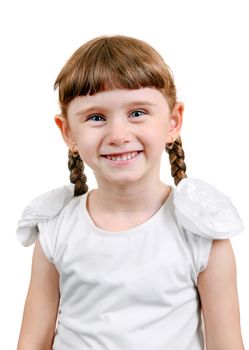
[(118, 98)]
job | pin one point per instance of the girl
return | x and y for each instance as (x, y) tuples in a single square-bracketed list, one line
[(134, 263)]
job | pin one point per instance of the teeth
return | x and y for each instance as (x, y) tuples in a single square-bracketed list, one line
[(126, 156)]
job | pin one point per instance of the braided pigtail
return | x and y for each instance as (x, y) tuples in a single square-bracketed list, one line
[(77, 176), (176, 159)]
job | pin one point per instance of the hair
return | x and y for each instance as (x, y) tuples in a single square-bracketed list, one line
[(116, 62)]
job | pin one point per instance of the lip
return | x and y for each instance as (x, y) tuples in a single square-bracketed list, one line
[(120, 153)]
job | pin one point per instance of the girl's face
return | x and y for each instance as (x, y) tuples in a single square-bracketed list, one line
[(121, 134)]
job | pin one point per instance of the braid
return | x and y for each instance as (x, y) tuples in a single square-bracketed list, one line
[(176, 159), (77, 176)]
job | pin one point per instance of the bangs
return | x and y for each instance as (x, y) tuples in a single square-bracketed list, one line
[(108, 63)]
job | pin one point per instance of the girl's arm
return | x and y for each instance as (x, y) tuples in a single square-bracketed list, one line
[(219, 298), (41, 307)]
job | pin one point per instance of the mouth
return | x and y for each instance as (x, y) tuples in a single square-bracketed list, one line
[(122, 156)]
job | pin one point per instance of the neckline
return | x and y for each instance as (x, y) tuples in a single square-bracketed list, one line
[(124, 233)]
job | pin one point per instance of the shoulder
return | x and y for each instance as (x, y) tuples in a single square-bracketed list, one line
[(43, 209), (205, 211)]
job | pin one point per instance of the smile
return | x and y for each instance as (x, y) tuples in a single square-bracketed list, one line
[(121, 160), (126, 156)]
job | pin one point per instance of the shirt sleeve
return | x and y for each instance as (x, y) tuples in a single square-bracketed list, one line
[(199, 249), (47, 235), (202, 209), (205, 214), (40, 219)]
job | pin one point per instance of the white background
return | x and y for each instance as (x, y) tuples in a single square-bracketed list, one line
[(206, 45)]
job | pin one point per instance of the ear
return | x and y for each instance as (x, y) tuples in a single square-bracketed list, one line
[(175, 122), (66, 131)]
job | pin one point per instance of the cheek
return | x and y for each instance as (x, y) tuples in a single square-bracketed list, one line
[(85, 149), (89, 146), (157, 133), (86, 145)]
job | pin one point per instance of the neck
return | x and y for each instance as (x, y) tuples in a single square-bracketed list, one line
[(129, 199)]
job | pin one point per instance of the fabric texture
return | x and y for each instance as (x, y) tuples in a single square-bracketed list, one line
[(133, 289)]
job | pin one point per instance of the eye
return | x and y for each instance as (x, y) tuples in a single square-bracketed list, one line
[(137, 113), (97, 116)]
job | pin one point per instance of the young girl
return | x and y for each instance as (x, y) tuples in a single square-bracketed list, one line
[(134, 263)]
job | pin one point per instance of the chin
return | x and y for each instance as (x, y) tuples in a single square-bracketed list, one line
[(124, 181)]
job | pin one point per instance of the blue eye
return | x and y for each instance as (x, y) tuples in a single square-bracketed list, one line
[(95, 116), (138, 113)]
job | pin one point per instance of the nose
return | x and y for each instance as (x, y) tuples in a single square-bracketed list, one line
[(119, 132)]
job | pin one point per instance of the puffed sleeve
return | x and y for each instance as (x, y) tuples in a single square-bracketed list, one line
[(38, 217), (205, 214)]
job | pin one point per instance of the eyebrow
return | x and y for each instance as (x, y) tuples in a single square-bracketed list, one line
[(100, 107)]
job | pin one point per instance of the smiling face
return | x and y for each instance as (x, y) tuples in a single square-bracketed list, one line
[(121, 134)]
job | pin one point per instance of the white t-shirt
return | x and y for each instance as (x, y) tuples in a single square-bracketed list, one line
[(133, 289)]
